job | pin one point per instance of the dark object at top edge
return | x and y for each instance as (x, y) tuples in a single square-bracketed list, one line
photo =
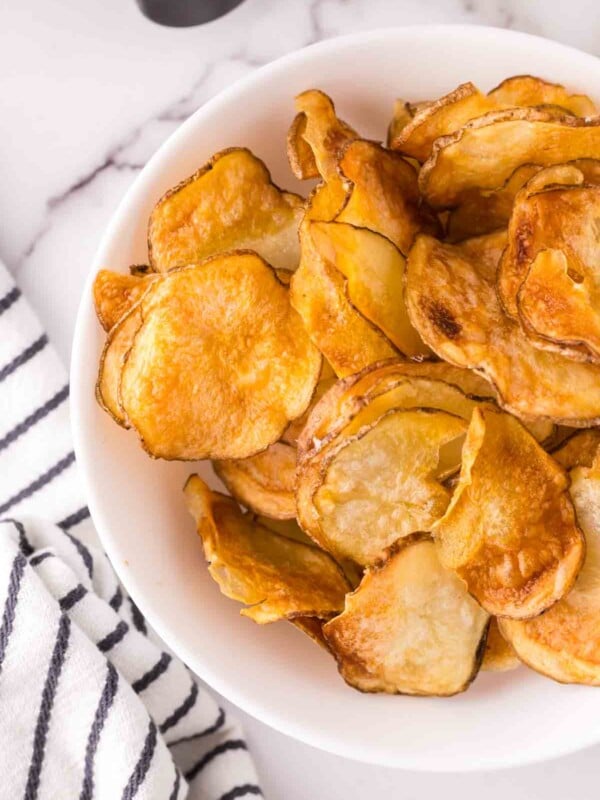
[(185, 13)]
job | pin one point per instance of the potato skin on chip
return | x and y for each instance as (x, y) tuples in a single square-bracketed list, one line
[(221, 364), (452, 301), (230, 203), (115, 293), (359, 495), (564, 642), (510, 530), (277, 578), (578, 450), (264, 482), (499, 656), (486, 151), (410, 627)]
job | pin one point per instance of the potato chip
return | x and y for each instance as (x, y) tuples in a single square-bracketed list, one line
[(230, 203), (295, 428), (510, 530), (374, 270), (317, 126), (486, 151), (115, 293), (499, 655), (221, 364), (318, 292), (358, 496), (384, 194), (578, 450), (275, 577), (527, 90), (452, 301), (116, 349), (564, 642), (401, 116), (265, 482), (409, 628)]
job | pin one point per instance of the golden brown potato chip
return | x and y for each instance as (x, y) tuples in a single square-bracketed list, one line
[(374, 270), (499, 656), (115, 293), (527, 90), (230, 203), (564, 642), (384, 194), (510, 530), (452, 301), (318, 292), (116, 349), (486, 151), (327, 200), (361, 494), (295, 428), (401, 116), (221, 364), (264, 482), (409, 628), (578, 450), (275, 577), (317, 126)]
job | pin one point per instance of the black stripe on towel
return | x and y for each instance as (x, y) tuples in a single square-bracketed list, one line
[(138, 618), (10, 605), (26, 547), (23, 357), (153, 674), (142, 766), (224, 747), (37, 559), (43, 721), (106, 700), (71, 598), (40, 482), (242, 791), (175, 792), (116, 600), (85, 554), (35, 417), (211, 729), (74, 519), (113, 638), (9, 298), (182, 710)]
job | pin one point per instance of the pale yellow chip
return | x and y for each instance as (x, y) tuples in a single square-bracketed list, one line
[(384, 194), (275, 577), (116, 349), (318, 292), (578, 450), (499, 655), (409, 628), (452, 301), (230, 203), (510, 531), (564, 643), (485, 152), (221, 364), (374, 270), (115, 293), (265, 482), (359, 495)]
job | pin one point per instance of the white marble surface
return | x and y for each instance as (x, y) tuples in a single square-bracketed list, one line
[(88, 90)]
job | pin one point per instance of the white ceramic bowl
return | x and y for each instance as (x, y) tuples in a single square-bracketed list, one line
[(274, 672)]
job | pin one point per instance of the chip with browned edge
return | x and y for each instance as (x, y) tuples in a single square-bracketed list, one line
[(115, 293), (499, 655)]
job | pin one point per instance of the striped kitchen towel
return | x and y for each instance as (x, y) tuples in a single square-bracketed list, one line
[(92, 704)]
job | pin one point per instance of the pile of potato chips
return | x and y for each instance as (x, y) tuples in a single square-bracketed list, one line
[(388, 377)]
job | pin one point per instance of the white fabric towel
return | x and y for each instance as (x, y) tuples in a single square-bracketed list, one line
[(92, 704)]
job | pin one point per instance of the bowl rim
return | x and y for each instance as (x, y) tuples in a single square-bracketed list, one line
[(279, 721)]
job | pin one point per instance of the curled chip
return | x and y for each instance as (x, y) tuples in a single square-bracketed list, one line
[(409, 628), (486, 151), (499, 655), (579, 450), (115, 293), (564, 642), (264, 482), (374, 270), (401, 116), (221, 363), (316, 137), (318, 292), (383, 194), (116, 349), (366, 490), (510, 531), (452, 301), (277, 578), (230, 203), (466, 102)]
